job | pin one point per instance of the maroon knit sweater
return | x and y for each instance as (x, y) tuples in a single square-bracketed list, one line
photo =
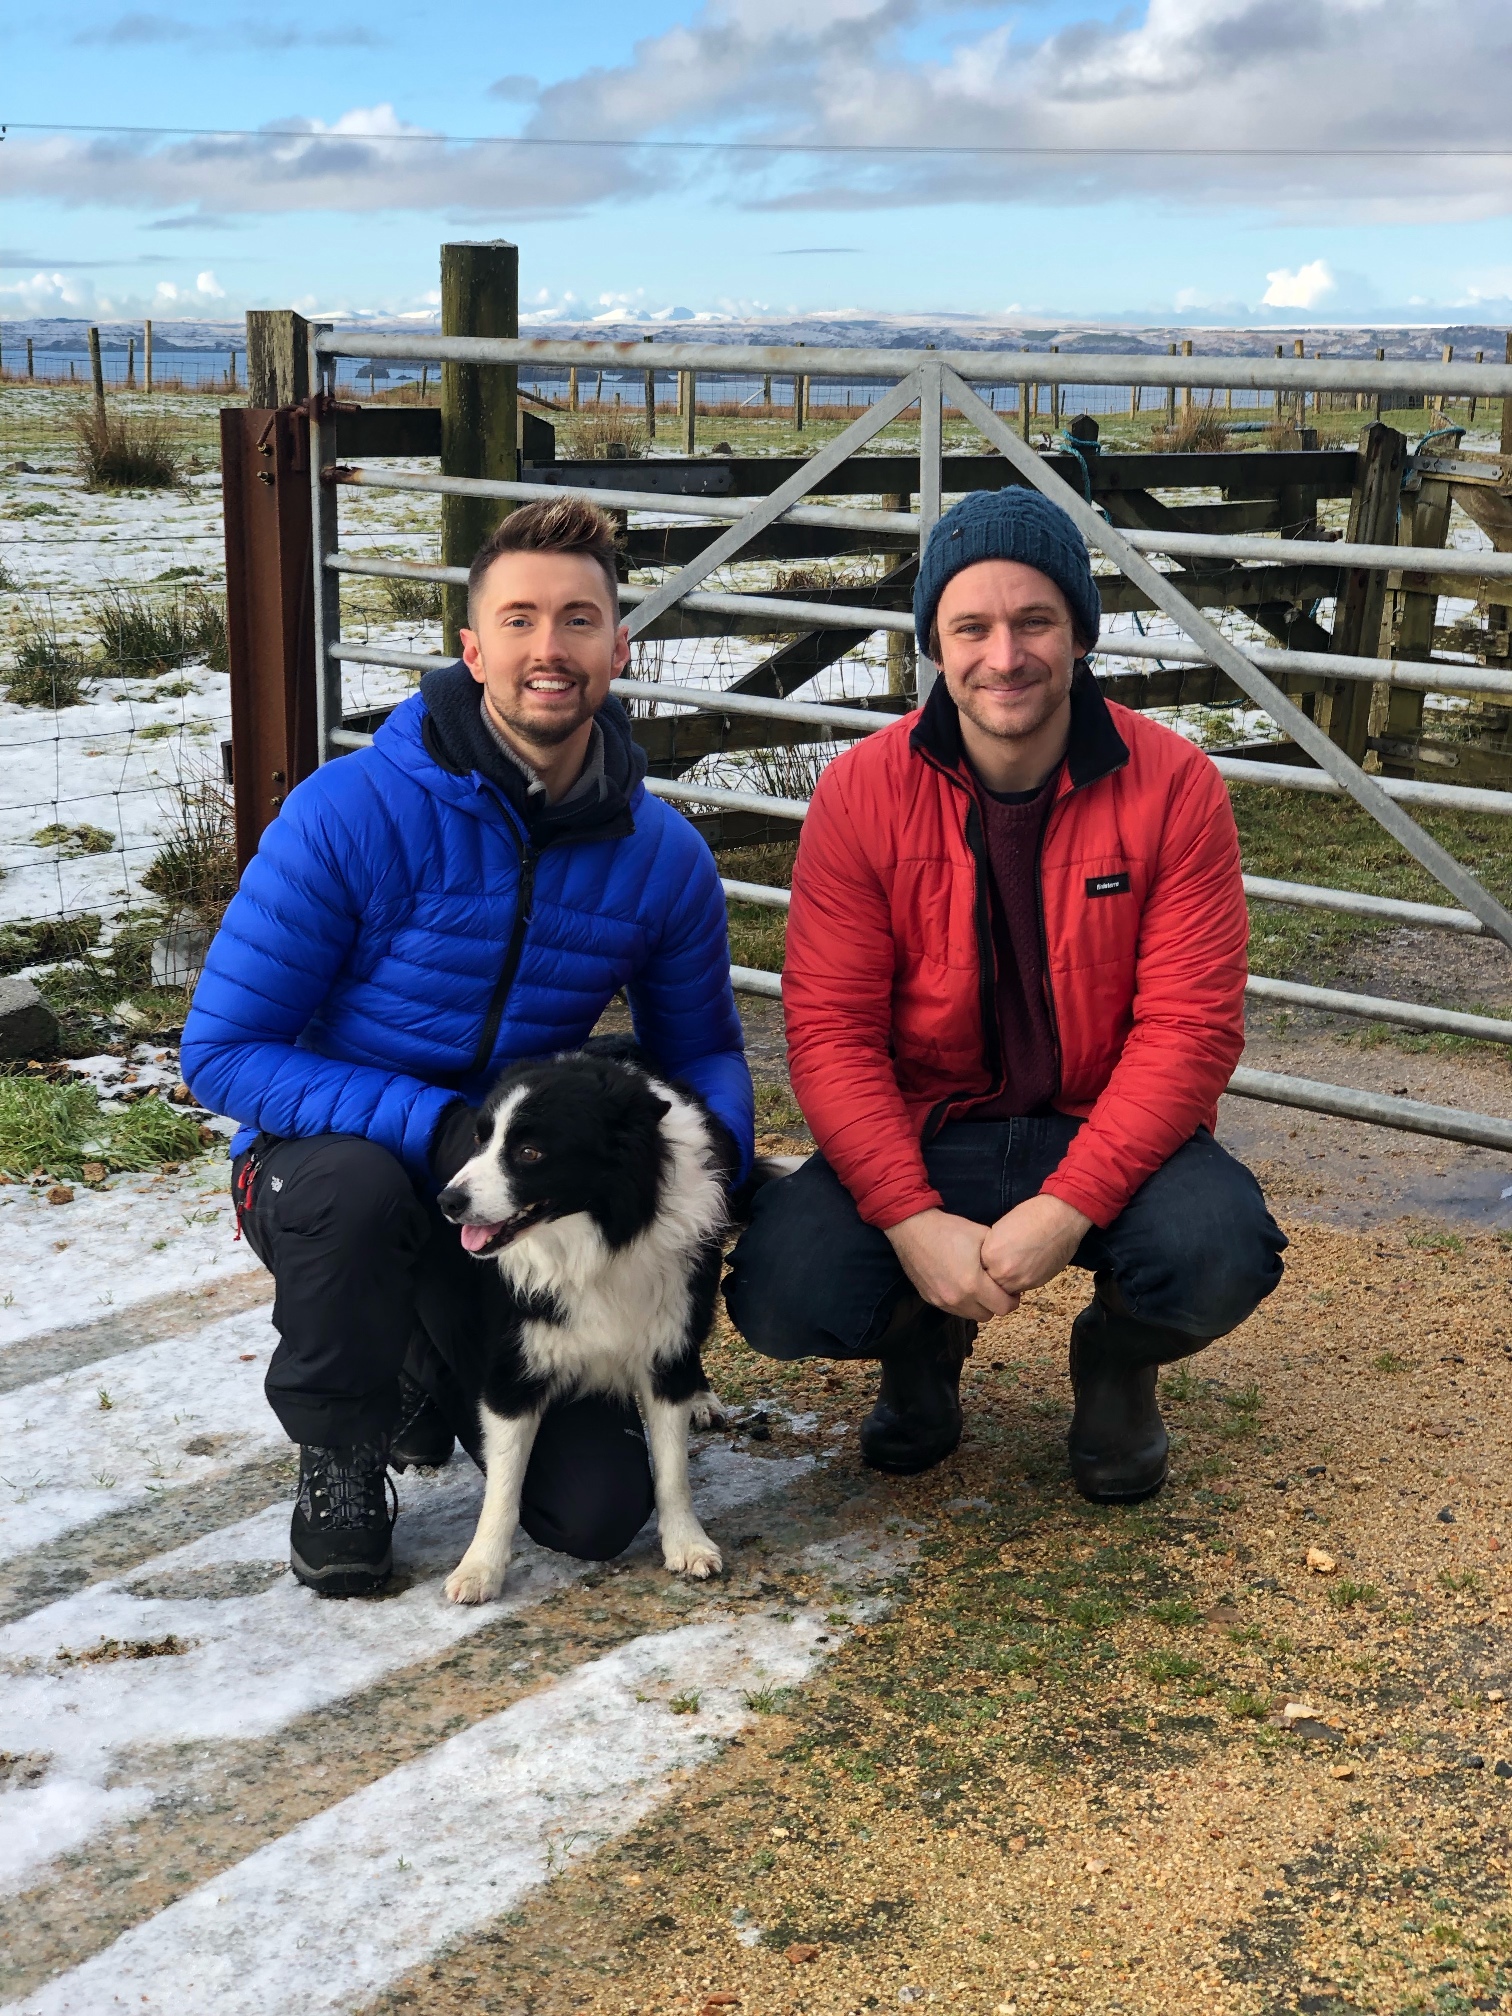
[(1013, 825)]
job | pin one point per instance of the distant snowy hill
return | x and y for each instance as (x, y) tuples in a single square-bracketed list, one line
[(905, 332)]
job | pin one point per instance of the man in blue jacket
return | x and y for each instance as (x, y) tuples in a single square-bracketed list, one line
[(473, 889)]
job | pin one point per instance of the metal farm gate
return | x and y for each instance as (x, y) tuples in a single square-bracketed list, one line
[(288, 651)]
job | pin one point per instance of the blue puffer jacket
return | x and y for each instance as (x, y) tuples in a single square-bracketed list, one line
[(408, 928)]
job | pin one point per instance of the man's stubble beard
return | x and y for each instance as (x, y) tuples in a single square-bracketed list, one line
[(1053, 696), (544, 734)]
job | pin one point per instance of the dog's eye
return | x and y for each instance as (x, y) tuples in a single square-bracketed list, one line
[(525, 1153)]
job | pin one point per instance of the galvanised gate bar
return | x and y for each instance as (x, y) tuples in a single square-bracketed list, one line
[(1253, 570)]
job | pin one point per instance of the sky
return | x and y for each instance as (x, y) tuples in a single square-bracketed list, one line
[(337, 201)]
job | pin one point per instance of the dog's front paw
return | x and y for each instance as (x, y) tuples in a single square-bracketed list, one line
[(691, 1552), (708, 1410), (475, 1580)]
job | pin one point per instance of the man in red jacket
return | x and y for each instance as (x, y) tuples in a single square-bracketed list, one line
[(1014, 989)]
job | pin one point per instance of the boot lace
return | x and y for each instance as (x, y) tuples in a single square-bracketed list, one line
[(348, 1489)]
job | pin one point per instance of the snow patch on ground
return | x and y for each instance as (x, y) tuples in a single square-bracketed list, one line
[(102, 1437), (448, 1841), (255, 1662), (134, 1239)]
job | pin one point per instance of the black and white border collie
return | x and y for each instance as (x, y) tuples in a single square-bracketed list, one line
[(598, 1191)]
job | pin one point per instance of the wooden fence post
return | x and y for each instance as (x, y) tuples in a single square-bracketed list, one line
[(1447, 357), (689, 381), (97, 373), (1186, 390), (1361, 602), (31, 366), (480, 296), (1425, 522), (278, 357), (147, 355), (902, 674), (1170, 398), (650, 397)]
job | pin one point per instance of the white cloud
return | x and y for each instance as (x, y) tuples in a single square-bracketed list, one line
[(50, 294), (1305, 288), (1200, 74), (208, 285)]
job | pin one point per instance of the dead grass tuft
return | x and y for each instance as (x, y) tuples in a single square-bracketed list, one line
[(1198, 430), (128, 451), (195, 868)]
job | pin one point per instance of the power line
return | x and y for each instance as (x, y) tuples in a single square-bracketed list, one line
[(1027, 149)]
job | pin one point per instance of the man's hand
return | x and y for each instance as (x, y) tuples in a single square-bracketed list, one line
[(1032, 1243), (942, 1256)]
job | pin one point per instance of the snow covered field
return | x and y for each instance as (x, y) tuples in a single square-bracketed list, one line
[(138, 1706)]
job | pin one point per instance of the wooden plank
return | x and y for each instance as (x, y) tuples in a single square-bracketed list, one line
[(1327, 472), (480, 296), (388, 431), (1345, 710)]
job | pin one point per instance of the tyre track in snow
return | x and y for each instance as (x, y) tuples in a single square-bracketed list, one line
[(203, 1795), (446, 1843)]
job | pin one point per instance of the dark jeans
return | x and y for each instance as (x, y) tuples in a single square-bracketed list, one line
[(1193, 1252), (369, 1279)]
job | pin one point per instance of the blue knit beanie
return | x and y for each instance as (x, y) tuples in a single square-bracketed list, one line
[(1015, 524)]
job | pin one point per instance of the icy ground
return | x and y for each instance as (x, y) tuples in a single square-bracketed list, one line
[(153, 1645)]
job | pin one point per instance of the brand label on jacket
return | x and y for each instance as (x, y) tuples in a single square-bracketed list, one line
[(1108, 885)]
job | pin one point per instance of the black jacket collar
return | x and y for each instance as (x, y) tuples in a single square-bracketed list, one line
[(1095, 749), (455, 737)]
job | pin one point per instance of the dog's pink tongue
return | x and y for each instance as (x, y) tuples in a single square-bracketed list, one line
[(476, 1237)]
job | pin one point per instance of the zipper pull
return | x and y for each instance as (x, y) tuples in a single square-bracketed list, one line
[(526, 902)]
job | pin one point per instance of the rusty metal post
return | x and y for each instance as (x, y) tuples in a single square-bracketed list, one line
[(270, 610)]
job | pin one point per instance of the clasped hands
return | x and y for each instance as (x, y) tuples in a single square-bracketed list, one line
[(979, 1272)]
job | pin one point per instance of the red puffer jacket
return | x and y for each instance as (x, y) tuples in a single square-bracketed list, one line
[(889, 980)]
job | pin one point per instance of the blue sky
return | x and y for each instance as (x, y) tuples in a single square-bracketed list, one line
[(127, 225)]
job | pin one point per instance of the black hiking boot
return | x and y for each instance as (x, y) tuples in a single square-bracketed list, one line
[(341, 1535), (1117, 1442), (422, 1439), (916, 1422)]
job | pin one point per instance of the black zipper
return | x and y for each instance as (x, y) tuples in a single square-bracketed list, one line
[(513, 953)]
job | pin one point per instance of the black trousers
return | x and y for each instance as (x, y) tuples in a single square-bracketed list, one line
[(370, 1279), (1192, 1253)]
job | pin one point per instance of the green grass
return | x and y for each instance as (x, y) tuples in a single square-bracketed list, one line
[(47, 670), (1176, 1611), (1344, 1594), (413, 601), (1165, 1667), (73, 841), (195, 867), (769, 1700), (144, 635), (50, 939), (1248, 1707), (57, 1128)]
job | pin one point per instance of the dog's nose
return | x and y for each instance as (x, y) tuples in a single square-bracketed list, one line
[(454, 1201)]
